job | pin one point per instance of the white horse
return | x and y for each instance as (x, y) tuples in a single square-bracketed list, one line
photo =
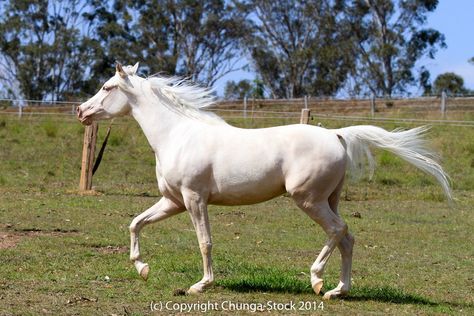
[(201, 160)]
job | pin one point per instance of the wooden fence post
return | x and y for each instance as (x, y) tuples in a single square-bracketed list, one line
[(372, 105), (305, 116), (88, 151), (245, 107), (443, 103)]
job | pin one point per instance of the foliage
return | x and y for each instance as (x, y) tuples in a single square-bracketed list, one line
[(195, 39), (300, 48), (450, 83), (44, 51), (391, 39), (244, 88), (64, 49)]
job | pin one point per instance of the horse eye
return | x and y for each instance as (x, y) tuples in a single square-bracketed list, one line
[(109, 88)]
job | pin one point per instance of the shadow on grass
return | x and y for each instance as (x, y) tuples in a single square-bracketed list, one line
[(284, 284)]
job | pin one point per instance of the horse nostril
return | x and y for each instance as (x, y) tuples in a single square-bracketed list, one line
[(78, 111)]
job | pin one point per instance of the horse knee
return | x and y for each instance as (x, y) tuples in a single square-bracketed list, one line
[(135, 226)]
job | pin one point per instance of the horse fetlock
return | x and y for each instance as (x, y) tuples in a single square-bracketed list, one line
[(134, 256), (201, 286), (317, 270), (340, 291)]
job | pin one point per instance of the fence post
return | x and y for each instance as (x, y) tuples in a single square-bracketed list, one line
[(245, 107), (304, 116), (20, 110), (443, 103), (88, 150), (372, 105), (305, 101)]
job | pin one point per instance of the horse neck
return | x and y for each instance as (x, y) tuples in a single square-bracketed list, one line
[(157, 122)]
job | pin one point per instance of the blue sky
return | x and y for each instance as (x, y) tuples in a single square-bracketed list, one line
[(453, 18)]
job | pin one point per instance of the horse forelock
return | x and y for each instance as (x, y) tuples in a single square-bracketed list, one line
[(184, 97)]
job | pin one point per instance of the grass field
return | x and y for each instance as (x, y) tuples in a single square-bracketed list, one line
[(63, 253)]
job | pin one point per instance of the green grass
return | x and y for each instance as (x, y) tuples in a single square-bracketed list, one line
[(413, 252)]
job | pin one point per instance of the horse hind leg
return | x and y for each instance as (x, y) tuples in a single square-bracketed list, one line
[(334, 227), (345, 246)]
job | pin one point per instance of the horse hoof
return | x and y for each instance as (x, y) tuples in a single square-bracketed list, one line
[(193, 291), (144, 272), (317, 286), (334, 294), (329, 296)]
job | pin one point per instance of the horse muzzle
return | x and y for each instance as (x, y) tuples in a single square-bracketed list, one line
[(84, 119)]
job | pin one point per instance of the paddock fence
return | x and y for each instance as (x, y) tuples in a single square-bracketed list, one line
[(453, 111), (458, 110)]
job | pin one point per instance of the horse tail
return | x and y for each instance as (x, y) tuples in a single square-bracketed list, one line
[(409, 145)]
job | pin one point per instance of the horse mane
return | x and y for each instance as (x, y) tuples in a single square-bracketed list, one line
[(184, 97)]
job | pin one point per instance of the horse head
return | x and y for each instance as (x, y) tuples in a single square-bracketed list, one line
[(112, 99)]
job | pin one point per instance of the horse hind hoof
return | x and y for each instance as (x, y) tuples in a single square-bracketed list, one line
[(193, 291), (334, 294), (317, 286)]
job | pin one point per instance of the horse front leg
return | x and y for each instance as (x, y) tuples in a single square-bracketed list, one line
[(198, 210), (163, 209)]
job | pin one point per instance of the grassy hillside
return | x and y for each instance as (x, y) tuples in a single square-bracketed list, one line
[(63, 253)]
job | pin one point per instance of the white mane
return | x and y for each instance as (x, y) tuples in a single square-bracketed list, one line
[(185, 98)]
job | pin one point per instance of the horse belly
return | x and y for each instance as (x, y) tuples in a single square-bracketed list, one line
[(246, 187)]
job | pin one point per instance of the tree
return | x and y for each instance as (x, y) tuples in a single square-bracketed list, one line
[(391, 40), (300, 47), (244, 88), (194, 39), (43, 49), (450, 83)]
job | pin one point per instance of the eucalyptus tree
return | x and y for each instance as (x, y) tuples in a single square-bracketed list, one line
[(196, 39), (450, 83), (392, 37), (44, 54), (300, 47)]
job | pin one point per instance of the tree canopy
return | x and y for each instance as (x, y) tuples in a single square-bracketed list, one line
[(391, 38), (450, 83), (59, 50)]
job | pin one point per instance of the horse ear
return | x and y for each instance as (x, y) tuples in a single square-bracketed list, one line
[(120, 71), (135, 68)]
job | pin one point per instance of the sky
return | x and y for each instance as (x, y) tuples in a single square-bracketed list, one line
[(453, 18)]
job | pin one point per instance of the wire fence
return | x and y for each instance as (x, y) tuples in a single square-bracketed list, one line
[(442, 110)]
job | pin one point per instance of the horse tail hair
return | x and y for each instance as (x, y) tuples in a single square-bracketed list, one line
[(409, 145)]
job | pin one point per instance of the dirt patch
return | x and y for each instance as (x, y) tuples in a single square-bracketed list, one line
[(112, 249), (9, 238)]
